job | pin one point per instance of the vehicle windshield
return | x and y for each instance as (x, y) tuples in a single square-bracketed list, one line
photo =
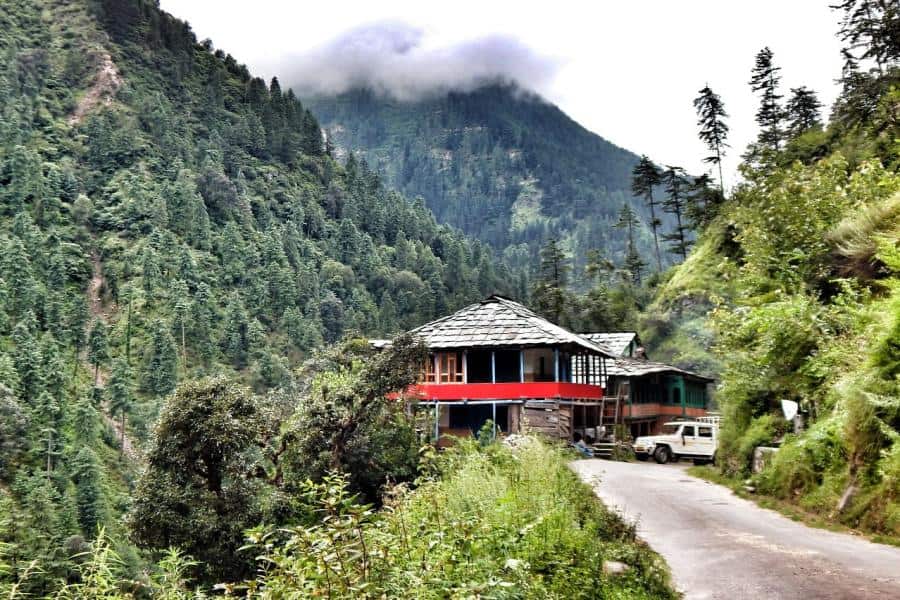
[(670, 428)]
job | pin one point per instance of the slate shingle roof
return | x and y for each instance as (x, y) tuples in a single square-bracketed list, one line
[(635, 367), (617, 342), (497, 322)]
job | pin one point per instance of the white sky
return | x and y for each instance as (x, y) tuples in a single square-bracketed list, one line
[(627, 70)]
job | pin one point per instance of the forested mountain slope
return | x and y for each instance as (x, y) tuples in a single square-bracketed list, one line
[(498, 162), (792, 292), (166, 216)]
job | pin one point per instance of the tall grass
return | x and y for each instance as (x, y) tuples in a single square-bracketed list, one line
[(483, 523)]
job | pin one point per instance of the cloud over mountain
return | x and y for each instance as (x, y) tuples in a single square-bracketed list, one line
[(396, 59)]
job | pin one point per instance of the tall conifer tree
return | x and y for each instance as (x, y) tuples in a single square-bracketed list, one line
[(803, 111), (645, 177), (549, 295), (633, 262), (98, 347), (675, 203), (711, 117), (765, 80)]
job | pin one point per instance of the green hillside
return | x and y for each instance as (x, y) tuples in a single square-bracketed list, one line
[(166, 216), (792, 292), (499, 162)]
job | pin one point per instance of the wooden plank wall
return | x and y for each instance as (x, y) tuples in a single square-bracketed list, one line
[(549, 419)]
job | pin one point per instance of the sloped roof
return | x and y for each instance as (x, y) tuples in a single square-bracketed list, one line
[(617, 342), (622, 366), (496, 322)]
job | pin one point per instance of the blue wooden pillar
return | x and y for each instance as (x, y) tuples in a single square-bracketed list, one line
[(494, 419), (493, 368), (437, 421), (521, 366), (556, 365)]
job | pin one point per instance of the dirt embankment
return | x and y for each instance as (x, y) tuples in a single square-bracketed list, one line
[(107, 82)]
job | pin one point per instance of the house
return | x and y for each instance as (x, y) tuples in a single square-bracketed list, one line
[(645, 394), (498, 361), (620, 343)]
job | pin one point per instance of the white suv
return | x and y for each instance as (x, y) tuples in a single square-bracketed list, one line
[(680, 439)]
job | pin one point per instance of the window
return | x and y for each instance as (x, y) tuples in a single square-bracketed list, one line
[(539, 365), (426, 374), (704, 432), (688, 431), (478, 366), (508, 366), (450, 364), (449, 368)]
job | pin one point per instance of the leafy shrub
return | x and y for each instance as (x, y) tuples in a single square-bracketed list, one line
[(484, 522), (736, 446), (802, 462)]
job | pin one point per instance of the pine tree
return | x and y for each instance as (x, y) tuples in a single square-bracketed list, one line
[(633, 262), (88, 492), (28, 360), (98, 347), (235, 336), (703, 201), (713, 129), (119, 393), (870, 30), (803, 111), (549, 295), (674, 203), (182, 312), (161, 365), (85, 423), (645, 177), (769, 115), (202, 323)]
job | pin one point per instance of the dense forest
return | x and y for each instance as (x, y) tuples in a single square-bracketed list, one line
[(498, 162), (166, 216), (185, 268)]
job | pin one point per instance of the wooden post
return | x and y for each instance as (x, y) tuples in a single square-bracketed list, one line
[(556, 365), (493, 368), (465, 366), (521, 366)]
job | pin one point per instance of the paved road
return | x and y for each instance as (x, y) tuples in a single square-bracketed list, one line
[(721, 546)]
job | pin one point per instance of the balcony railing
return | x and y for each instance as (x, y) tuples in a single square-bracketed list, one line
[(505, 391)]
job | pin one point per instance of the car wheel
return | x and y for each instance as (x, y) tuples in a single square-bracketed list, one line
[(662, 455)]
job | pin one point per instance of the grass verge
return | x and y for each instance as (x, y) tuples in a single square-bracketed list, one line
[(789, 510)]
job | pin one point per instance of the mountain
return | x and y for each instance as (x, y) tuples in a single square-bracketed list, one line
[(165, 215), (498, 162)]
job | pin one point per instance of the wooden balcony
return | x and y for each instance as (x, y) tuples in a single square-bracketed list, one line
[(447, 392)]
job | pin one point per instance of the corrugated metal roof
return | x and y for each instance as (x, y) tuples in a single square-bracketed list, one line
[(617, 342), (497, 322)]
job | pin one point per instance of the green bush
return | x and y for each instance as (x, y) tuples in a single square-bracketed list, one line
[(803, 462), (483, 522)]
